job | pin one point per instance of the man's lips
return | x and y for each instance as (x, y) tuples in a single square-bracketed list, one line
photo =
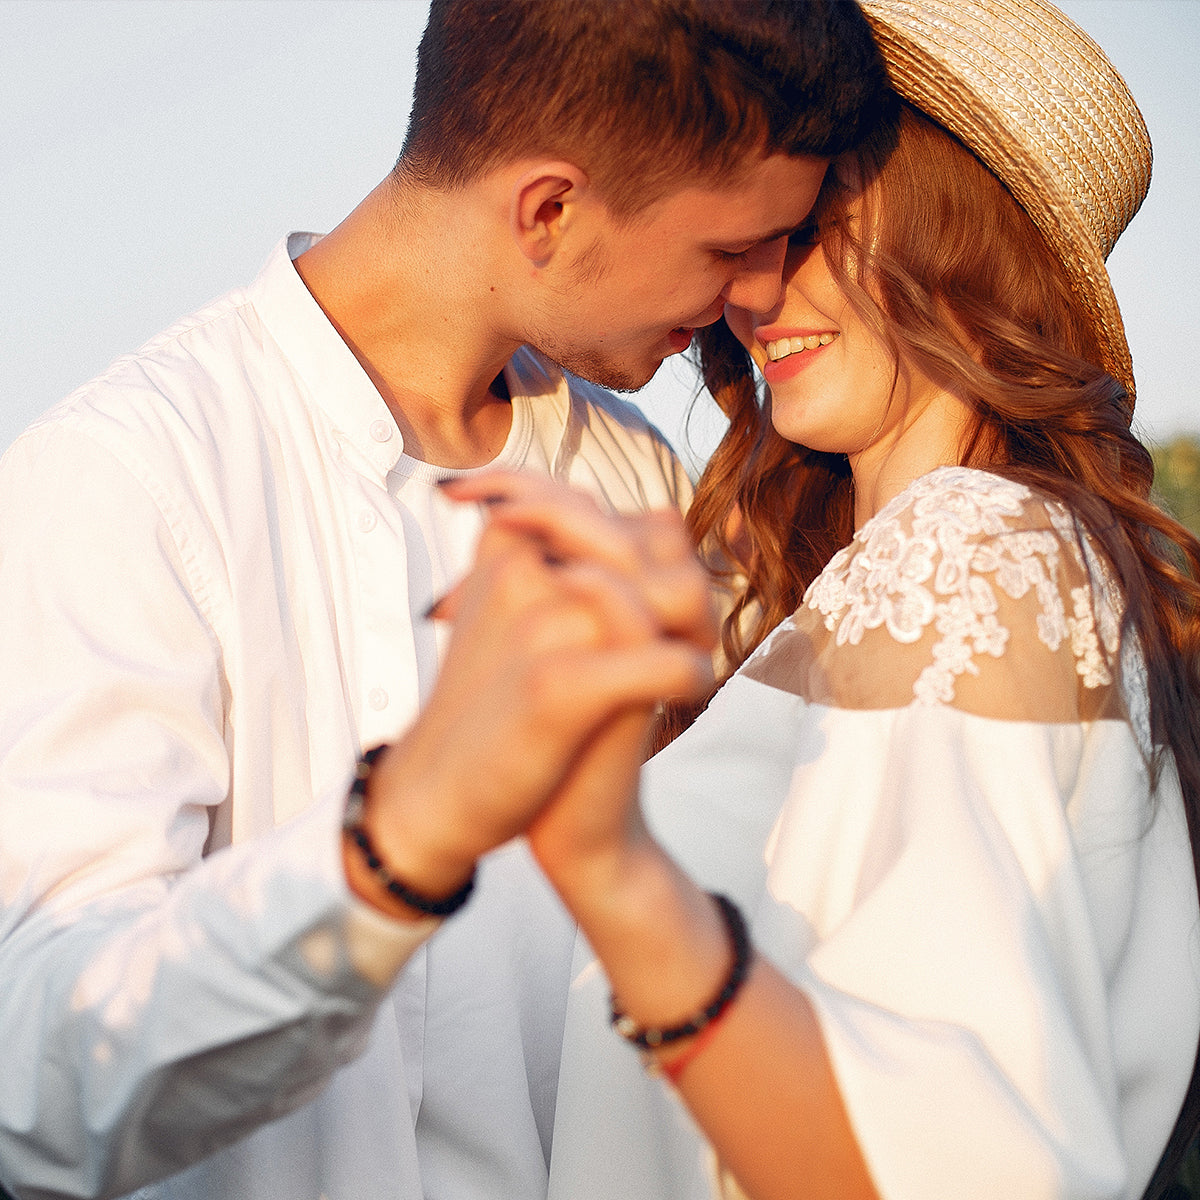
[(680, 338)]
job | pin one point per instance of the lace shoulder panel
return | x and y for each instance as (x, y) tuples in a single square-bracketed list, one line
[(968, 589)]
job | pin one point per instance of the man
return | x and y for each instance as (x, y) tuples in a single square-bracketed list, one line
[(216, 559)]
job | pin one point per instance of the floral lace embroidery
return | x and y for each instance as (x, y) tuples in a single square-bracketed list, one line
[(941, 568)]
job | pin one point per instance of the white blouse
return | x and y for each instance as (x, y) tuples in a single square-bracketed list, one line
[(929, 791)]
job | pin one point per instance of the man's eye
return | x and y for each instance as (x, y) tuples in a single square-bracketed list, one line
[(809, 234)]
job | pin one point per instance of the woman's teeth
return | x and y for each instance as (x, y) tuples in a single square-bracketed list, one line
[(785, 346)]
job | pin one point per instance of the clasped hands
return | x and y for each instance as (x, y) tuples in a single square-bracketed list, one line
[(571, 627)]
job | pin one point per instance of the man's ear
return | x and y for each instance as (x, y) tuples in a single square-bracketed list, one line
[(543, 208)]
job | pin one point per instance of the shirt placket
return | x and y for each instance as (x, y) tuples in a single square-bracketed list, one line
[(388, 664)]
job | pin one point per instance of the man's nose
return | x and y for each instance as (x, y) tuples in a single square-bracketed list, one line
[(759, 282)]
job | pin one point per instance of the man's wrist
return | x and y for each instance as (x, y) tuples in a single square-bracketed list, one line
[(401, 885)]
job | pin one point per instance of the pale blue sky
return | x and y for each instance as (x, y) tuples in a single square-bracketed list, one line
[(155, 150)]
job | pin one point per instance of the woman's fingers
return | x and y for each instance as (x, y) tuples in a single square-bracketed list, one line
[(578, 603), (572, 525), (513, 576), (587, 687), (512, 715), (547, 653), (652, 551), (576, 638), (495, 487)]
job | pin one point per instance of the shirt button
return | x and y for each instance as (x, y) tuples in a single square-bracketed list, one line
[(377, 698), (366, 520), (382, 431)]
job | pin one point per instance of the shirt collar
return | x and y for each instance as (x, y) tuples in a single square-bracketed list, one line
[(333, 377), (340, 387)]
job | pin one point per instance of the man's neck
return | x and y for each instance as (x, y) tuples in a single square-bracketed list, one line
[(409, 299)]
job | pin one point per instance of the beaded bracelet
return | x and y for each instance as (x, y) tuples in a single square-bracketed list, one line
[(743, 953), (352, 825)]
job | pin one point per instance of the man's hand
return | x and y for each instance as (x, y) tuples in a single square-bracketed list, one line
[(572, 625)]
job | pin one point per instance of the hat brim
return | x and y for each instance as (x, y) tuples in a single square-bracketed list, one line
[(1037, 101)]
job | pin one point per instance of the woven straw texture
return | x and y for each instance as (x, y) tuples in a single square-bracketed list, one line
[(1037, 100)]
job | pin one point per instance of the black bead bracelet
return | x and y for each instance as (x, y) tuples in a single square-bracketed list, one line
[(353, 827), (743, 953)]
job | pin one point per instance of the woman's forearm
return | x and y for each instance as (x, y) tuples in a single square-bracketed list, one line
[(762, 1087)]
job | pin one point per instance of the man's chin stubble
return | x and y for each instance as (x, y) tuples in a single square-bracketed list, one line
[(596, 369)]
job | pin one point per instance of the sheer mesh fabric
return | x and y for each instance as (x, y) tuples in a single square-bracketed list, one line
[(968, 590)]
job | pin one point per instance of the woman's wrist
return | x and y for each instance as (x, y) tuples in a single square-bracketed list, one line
[(612, 883), (706, 1017), (664, 945)]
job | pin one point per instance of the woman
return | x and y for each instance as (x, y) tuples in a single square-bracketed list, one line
[(954, 794)]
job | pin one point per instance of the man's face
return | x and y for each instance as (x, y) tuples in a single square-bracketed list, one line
[(636, 291)]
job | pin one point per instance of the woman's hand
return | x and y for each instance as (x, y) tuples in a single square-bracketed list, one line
[(651, 552)]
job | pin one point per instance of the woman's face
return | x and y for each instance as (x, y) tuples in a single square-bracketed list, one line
[(834, 384), (831, 379)]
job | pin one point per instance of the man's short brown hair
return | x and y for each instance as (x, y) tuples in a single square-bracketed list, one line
[(641, 94)]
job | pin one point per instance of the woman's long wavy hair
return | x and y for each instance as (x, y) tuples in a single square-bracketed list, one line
[(947, 260)]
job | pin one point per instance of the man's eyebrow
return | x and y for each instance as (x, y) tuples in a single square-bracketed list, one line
[(772, 236)]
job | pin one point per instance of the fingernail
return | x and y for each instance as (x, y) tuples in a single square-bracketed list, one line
[(489, 500), (431, 613)]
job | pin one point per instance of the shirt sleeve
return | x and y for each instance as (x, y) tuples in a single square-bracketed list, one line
[(948, 946), (158, 1002)]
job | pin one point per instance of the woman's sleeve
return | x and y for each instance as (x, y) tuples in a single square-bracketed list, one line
[(973, 882), (951, 955)]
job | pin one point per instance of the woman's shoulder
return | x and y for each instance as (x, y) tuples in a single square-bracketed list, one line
[(966, 505), (971, 589)]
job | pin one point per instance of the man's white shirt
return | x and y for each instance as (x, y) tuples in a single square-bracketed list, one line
[(214, 559)]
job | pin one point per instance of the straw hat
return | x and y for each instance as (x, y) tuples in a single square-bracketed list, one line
[(1036, 99)]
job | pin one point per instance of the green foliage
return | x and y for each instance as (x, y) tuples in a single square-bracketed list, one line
[(1177, 489), (1177, 479), (1189, 1173)]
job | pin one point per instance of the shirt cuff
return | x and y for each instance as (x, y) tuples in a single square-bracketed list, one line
[(350, 935)]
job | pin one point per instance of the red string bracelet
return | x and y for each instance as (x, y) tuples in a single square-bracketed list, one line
[(673, 1068), (700, 1026)]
